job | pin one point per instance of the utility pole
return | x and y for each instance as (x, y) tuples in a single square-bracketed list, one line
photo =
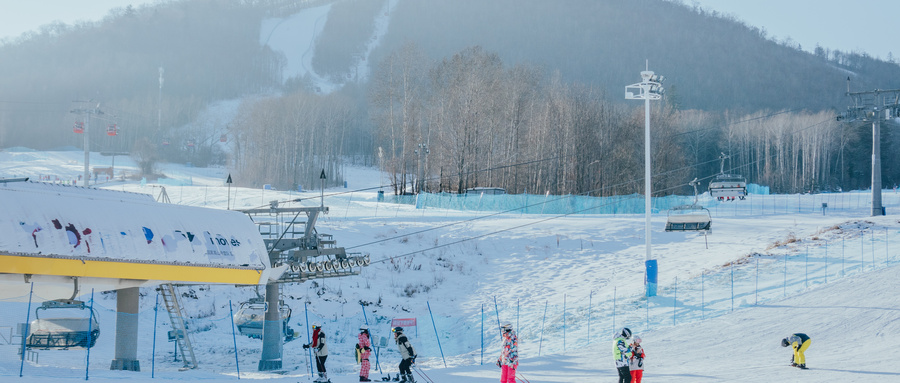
[(159, 104), (873, 106), (87, 112), (422, 151)]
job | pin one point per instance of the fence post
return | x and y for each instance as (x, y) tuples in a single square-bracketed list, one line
[(756, 294), (497, 311), (675, 301), (87, 365), (614, 310), (590, 302), (784, 286), (233, 337), (27, 329), (541, 342), (153, 355), (436, 334)]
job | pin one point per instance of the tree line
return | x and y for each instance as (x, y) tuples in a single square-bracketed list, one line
[(487, 124)]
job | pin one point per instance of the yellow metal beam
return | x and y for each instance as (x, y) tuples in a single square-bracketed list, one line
[(13, 264)]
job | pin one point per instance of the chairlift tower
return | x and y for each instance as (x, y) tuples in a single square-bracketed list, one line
[(875, 106), (88, 112), (295, 246), (649, 89)]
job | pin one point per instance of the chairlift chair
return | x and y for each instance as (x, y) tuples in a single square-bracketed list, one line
[(79, 127), (223, 138), (112, 130), (63, 332), (691, 217), (251, 315), (727, 186)]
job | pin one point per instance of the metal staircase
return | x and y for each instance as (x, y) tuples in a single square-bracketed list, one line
[(179, 330)]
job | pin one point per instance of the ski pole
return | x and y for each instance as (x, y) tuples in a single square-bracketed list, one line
[(422, 374), (519, 375)]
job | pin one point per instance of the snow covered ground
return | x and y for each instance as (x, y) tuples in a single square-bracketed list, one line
[(565, 282)]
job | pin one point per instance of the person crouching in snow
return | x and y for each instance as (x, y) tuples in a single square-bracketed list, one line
[(637, 360), (509, 356), (799, 342), (363, 349), (622, 354)]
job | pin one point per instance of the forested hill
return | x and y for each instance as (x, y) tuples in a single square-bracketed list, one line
[(714, 62), (486, 85)]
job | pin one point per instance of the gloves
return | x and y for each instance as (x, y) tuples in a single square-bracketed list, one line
[(305, 346), (498, 362)]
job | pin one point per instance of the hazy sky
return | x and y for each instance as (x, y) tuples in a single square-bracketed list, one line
[(866, 25)]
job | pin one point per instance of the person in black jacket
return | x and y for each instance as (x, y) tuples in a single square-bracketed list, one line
[(407, 355)]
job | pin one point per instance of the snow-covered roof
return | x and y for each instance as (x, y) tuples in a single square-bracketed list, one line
[(113, 234)]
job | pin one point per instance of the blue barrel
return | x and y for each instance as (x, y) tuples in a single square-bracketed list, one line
[(652, 276)]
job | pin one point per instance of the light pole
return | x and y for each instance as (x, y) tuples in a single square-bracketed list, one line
[(648, 89), (159, 104)]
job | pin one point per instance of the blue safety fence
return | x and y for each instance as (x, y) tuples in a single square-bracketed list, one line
[(446, 332)]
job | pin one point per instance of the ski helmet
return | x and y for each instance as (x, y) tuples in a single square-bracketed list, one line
[(364, 328), (626, 333), (785, 342), (636, 339), (507, 327), (397, 330), (315, 326)]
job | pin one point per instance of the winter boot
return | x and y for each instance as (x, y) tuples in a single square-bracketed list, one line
[(409, 378), (364, 379), (803, 366), (400, 378)]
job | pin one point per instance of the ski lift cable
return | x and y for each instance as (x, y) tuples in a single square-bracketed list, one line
[(740, 122), (531, 223)]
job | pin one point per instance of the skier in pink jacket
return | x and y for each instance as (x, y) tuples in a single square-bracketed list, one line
[(509, 356), (363, 348)]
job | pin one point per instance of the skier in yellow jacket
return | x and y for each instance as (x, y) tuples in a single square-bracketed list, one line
[(799, 342)]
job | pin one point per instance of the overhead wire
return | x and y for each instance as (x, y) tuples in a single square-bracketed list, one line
[(546, 219)]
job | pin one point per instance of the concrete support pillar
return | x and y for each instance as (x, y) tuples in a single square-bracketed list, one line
[(273, 343), (126, 330)]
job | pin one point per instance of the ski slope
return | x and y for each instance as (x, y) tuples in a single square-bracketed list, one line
[(828, 275)]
